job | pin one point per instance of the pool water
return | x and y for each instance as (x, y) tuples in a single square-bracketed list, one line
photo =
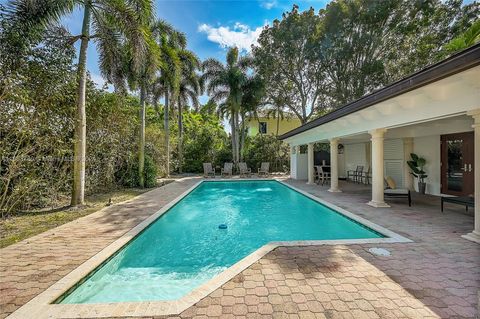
[(185, 247)]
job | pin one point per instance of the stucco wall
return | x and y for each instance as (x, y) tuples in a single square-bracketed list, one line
[(428, 147), (285, 125)]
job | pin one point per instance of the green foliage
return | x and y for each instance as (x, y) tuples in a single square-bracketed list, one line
[(313, 63), (468, 38), (267, 148), (127, 175), (205, 140), (416, 165)]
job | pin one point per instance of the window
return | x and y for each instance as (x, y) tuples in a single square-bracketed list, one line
[(262, 128)]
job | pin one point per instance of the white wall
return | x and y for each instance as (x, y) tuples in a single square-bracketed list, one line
[(355, 154), (428, 147), (298, 166)]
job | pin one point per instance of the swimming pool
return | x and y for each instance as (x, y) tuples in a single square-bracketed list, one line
[(185, 247)]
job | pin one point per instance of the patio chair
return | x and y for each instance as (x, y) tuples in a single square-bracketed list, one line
[(208, 170), (244, 170), (393, 192), (366, 177), (227, 169), (355, 175), (264, 169), (322, 175)]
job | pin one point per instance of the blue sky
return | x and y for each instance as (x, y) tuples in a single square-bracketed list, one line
[(210, 25)]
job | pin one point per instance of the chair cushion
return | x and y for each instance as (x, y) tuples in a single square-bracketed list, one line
[(396, 191), (390, 182)]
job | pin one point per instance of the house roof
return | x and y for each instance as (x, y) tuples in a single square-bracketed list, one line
[(459, 62)]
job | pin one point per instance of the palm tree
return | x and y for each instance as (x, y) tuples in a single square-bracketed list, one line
[(167, 83), (253, 93), (189, 89), (225, 87), (113, 23)]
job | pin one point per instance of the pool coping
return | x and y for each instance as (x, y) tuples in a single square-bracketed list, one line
[(42, 306)]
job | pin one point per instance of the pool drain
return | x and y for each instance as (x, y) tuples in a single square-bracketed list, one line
[(379, 251), (222, 226)]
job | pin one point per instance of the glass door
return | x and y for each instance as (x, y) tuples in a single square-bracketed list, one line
[(457, 164)]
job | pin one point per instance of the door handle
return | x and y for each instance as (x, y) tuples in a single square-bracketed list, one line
[(469, 167), (464, 167)]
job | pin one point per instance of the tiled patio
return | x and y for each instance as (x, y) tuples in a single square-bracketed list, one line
[(438, 275)]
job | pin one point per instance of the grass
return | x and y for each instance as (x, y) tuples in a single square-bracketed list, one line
[(27, 224)]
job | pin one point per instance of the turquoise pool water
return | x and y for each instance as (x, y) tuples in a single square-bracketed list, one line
[(185, 247)]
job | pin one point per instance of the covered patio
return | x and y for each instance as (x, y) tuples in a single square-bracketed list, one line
[(434, 113)]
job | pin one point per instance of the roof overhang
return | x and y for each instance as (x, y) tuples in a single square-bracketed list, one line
[(448, 88)]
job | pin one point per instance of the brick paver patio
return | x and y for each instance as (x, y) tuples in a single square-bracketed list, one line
[(436, 276)]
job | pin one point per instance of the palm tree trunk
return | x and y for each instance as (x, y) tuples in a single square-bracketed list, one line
[(180, 137), (242, 138), (141, 144), (167, 135), (278, 121), (237, 139), (80, 135)]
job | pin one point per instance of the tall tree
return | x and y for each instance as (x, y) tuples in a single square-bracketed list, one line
[(285, 58), (167, 84), (113, 22), (189, 90), (224, 84)]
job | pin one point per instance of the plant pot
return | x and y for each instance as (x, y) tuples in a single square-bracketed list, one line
[(421, 187)]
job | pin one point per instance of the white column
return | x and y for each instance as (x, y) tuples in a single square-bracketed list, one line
[(293, 162), (377, 168), (407, 150), (311, 175), (475, 234), (334, 166)]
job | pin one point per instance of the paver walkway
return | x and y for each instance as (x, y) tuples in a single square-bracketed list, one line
[(30, 266), (437, 276)]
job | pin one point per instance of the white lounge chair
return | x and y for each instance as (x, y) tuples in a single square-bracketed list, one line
[(264, 169), (227, 169), (391, 191), (208, 170), (244, 170)]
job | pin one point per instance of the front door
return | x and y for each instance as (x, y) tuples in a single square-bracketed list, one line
[(457, 171)]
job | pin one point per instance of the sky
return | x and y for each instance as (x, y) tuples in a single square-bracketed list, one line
[(211, 26)]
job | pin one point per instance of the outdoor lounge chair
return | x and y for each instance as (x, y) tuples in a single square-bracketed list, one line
[(244, 170), (264, 169), (392, 192), (227, 169), (208, 170)]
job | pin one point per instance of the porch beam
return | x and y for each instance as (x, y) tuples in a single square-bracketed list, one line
[(475, 234), (311, 171), (377, 168), (334, 166)]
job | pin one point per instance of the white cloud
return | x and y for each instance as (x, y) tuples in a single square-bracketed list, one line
[(240, 35), (269, 4)]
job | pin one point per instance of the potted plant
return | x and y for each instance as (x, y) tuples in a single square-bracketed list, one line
[(416, 165)]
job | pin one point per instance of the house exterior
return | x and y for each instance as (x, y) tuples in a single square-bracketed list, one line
[(434, 113), (268, 125)]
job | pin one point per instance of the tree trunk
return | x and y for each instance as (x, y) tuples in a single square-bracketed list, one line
[(167, 135), (80, 135), (242, 138), (237, 139), (141, 144), (278, 121), (180, 137)]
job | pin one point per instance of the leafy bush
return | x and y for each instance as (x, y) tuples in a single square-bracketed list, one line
[(267, 148)]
